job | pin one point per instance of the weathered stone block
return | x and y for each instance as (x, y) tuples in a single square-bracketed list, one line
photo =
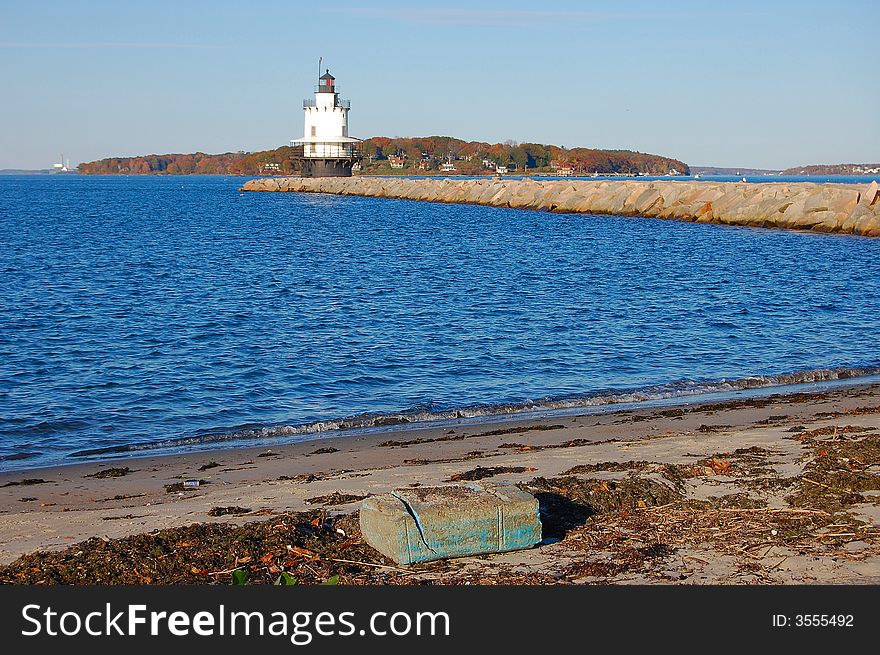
[(427, 523), (871, 194)]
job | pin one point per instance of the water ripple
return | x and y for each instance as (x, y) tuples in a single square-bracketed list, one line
[(151, 313)]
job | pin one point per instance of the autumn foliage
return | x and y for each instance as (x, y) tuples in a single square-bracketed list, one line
[(198, 163), (471, 157), (419, 154)]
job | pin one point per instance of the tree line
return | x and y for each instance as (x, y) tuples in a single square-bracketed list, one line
[(415, 155)]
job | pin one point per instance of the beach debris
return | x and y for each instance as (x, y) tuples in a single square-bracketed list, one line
[(571, 443), (609, 540), (209, 465), (120, 497), (324, 451), (520, 430), (482, 472), (607, 467), (741, 463), (392, 443), (569, 501), (186, 485), (773, 418), (25, 483), (336, 498), (429, 523), (304, 478), (713, 428), (842, 472), (110, 473), (451, 436), (232, 509), (718, 466)]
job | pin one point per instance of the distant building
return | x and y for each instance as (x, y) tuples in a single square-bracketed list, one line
[(61, 167), (501, 170), (565, 170), (424, 164), (270, 168), (447, 166), (396, 162)]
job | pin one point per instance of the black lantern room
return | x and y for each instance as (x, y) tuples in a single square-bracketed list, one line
[(327, 83)]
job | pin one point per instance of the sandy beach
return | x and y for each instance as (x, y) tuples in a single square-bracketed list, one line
[(773, 489)]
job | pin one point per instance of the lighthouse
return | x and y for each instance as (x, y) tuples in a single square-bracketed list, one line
[(327, 150)]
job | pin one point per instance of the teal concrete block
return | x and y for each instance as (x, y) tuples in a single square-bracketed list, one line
[(427, 523)]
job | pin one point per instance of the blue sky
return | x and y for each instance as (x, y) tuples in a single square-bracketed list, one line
[(763, 84)]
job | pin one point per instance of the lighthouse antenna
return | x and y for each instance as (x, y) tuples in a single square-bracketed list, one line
[(320, 59)]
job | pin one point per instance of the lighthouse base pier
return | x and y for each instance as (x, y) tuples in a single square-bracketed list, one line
[(314, 167)]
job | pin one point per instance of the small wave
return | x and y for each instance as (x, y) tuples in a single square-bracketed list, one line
[(51, 427), (430, 414), (18, 456)]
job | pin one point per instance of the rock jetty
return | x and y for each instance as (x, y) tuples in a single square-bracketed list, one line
[(839, 208)]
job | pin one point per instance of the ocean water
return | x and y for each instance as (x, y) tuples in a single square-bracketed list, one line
[(149, 314)]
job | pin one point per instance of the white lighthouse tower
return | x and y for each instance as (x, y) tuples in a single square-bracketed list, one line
[(328, 151)]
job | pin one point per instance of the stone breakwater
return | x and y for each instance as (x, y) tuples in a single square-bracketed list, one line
[(841, 208)]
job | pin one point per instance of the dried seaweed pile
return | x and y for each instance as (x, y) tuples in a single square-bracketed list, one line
[(309, 545), (609, 520)]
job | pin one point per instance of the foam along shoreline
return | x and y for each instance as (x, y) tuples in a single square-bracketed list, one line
[(486, 414), (832, 208)]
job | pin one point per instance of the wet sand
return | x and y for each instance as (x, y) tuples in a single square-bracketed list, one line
[(718, 492)]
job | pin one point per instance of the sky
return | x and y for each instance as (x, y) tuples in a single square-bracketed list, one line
[(744, 84)]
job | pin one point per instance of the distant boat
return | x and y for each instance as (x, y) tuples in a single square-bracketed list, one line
[(698, 176), (743, 180)]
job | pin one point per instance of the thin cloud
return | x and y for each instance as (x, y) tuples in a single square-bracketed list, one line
[(50, 45)]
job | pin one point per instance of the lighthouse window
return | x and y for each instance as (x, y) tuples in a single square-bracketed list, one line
[(313, 130)]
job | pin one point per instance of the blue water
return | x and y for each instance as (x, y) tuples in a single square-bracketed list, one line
[(161, 312)]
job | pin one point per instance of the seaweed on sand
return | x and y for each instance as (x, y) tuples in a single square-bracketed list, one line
[(840, 470), (336, 498), (309, 545), (110, 473), (566, 502), (482, 472)]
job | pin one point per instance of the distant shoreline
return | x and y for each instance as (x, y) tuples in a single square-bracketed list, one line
[(758, 176), (35, 171)]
